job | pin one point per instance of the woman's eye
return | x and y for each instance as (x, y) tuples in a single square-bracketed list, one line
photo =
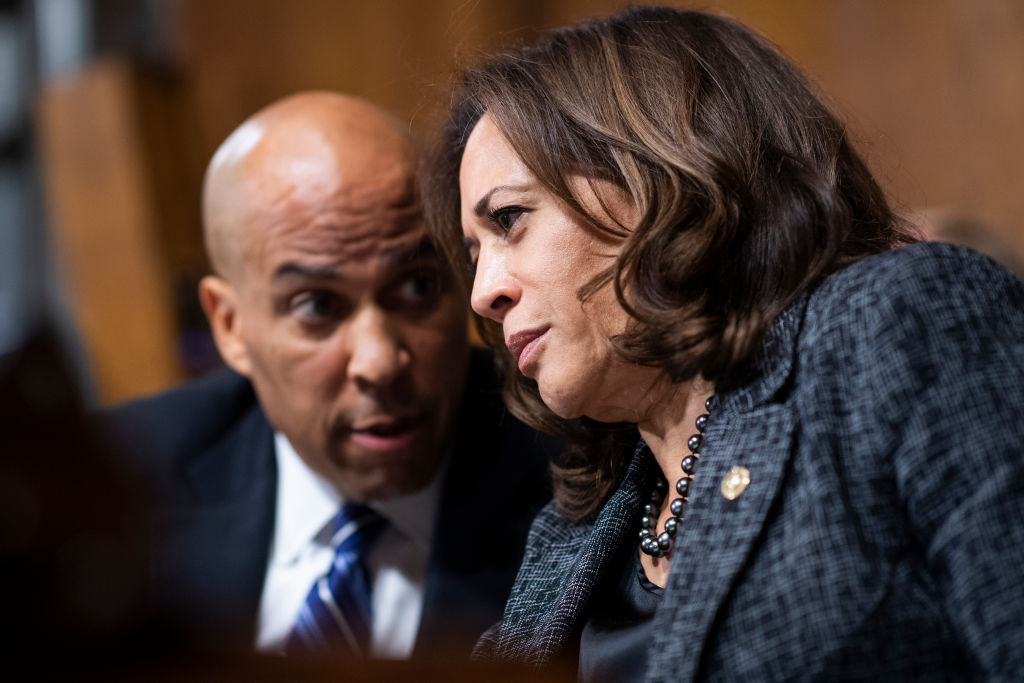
[(505, 217)]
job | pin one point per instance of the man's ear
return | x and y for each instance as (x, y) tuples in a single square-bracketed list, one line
[(219, 301)]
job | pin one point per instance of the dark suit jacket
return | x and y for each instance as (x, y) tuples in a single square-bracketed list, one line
[(882, 533), (209, 449)]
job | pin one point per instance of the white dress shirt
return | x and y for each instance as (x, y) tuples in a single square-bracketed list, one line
[(300, 553)]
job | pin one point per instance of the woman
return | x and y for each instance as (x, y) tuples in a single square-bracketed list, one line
[(796, 448)]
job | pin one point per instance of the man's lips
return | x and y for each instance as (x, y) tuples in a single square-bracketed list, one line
[(385, 434), (521, 344)]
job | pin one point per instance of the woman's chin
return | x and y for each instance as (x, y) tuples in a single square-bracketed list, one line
[(565, 405)]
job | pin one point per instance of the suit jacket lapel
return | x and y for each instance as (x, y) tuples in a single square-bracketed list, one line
[(718, 534), (750, 429)]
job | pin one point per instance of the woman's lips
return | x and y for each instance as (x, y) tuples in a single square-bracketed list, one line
[(522, 344)]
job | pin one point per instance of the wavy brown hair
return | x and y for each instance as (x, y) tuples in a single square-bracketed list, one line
[(748, 188)]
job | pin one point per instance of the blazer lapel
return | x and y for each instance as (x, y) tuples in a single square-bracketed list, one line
[(751, 429), (569, 562), (718, 534)]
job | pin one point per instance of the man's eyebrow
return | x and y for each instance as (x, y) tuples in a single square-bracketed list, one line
[(424, 249), (480, 208), (398, 256), (286, 270)]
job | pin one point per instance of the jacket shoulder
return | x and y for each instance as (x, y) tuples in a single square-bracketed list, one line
[(923, 275), (918, 322), (221, 390), (912, 362), (184, 422), (924, 300)]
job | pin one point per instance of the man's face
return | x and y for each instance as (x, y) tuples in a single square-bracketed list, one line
[(354, 338)]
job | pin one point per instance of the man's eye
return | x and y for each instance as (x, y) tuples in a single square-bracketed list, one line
[(317, 307), (415, 290), (472, 255)]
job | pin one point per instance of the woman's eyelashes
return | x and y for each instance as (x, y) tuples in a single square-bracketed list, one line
[(504, 218)]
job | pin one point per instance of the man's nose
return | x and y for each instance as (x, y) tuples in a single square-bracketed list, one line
[(378, 356), (495, 291)]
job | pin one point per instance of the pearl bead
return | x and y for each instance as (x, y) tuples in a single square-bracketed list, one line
[(677, 507), (661, 544), (683, 487)]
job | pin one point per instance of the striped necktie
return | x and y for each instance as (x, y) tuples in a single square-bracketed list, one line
[(335, 618)]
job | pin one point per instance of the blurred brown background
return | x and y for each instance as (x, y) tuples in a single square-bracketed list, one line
[(933, 90)]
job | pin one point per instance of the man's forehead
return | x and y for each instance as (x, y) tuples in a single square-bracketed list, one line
[(350, 227), (327, 254), (352, 221)]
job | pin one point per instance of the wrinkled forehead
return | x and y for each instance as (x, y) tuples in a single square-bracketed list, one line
[(329, 222)]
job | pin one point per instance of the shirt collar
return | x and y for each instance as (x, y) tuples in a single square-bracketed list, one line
[(413, 515), (307, 504)]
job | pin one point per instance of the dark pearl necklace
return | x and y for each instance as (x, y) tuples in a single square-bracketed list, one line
[(660, 545)]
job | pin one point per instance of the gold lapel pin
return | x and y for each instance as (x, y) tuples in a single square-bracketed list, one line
[(735, 482)]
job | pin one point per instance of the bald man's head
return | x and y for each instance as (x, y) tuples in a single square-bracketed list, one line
[(314, 144), (330, 297)]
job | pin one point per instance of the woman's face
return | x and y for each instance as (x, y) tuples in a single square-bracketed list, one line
[(532, 256)]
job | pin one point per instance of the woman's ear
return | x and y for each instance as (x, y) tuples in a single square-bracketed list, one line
[(219, 302)]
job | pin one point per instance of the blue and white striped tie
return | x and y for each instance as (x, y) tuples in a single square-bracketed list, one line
[(335, 617)]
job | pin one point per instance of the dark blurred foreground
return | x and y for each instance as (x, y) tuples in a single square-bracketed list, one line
[(75, 549)]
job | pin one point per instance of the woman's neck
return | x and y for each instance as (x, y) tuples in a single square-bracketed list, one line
[(666, 429), (671, 422)]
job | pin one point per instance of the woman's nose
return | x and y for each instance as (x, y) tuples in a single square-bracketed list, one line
[(495, 291)]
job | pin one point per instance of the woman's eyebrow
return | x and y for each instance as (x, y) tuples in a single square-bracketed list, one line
[(480, 209)]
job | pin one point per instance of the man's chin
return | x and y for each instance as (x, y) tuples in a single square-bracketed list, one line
[(379, 475), (384, 487)]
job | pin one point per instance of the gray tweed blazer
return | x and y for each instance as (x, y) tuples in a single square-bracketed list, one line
[(882, 533)]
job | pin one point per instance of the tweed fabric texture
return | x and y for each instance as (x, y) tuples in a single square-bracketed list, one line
[(882, 534)]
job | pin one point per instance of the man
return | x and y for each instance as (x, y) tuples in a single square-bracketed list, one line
[(347, 340), (938, 224)]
